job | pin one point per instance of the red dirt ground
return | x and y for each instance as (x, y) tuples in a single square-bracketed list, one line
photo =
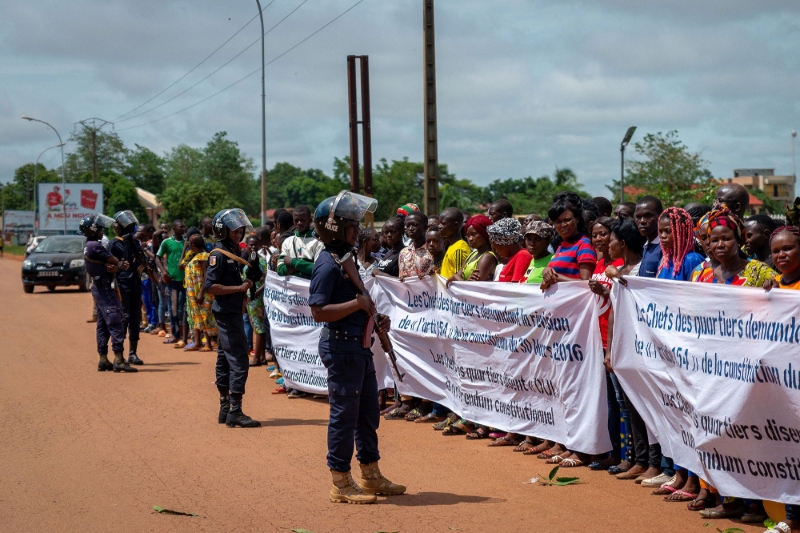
[(87, 451)]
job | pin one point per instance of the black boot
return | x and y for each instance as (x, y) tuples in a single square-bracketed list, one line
[(237, 418), (224, 409), (120, 365), (104, 364), (133, 359)]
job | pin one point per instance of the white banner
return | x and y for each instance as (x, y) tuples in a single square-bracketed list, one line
[(76, 201), (503, 355), (18, 220), (714, 372)]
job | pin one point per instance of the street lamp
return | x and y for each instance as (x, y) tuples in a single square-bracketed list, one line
[(794, 174), (36, 187), (622, 146), (263, 126), (63, 172)]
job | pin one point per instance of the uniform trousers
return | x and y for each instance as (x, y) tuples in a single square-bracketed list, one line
[(232, 354), (132, 310), (110, 323), (353, 398)]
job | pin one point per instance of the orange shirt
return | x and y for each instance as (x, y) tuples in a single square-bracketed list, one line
[(795, 286)]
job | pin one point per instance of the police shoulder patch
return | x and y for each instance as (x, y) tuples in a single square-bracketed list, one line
[(212, 260)]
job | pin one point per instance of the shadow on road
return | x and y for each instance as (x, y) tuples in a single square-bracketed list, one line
[(424, 499), (293, 422), (152, 369), (175, 363)]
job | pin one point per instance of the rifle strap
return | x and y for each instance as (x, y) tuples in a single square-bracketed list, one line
[(229, 255)]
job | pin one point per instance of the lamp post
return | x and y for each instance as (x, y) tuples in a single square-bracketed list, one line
[(625, 141), (36, 187), (263, 126), (794, 173), (63, 171)]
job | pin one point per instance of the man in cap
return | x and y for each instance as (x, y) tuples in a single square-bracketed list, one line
[(337, 301), (101, 266), (224, 281), (126, 249)]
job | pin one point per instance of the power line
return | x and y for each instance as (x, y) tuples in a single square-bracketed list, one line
[(248, 75), (194, 67), (218, 68)]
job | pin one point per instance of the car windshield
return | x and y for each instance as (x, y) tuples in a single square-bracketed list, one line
[(60, 246)]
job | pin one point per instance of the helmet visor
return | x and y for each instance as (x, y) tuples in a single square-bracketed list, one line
[(235, 219), (353, 206), (125, 218), (103, 221)]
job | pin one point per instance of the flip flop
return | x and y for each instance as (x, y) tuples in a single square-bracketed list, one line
[(570, 462), (665, 490), (204, 349), (555, 460), (523, 446), (191, 347), (171, 340), (680, 496), (502, 441), (547, 454)]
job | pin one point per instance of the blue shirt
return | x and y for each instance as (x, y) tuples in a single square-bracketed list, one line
[(690, 262), (651, 257), (95, 251), (329, 286)]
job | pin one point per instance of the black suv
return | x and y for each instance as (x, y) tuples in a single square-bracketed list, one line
[(57, 261)]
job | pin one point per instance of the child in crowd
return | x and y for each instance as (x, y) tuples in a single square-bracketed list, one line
[(200, 303)]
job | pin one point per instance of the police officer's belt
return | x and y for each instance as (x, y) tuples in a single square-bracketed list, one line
[(333, 334), (229, 255)]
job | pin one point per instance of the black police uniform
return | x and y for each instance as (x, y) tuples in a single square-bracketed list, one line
[(352, 385), (109, 312), (130, 284), (232, 355)]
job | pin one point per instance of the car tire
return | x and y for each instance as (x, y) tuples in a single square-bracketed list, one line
[(51, 288), (86, 286), (27, 288)]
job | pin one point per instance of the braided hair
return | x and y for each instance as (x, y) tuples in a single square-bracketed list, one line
[(680, 222)]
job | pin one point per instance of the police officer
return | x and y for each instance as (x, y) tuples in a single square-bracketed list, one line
[(224, 281), (101, 266), (126, 248), (352, 385)]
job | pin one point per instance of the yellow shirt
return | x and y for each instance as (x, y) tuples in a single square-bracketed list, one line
[(454, 258)]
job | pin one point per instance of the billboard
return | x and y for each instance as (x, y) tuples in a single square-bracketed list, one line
[(18, 220), (75, 200)]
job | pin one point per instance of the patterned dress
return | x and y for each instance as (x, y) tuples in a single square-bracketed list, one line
[(415, 262), (753, 275), (200, 316), (255, 305)]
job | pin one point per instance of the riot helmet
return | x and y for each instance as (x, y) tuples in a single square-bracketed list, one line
[(93, 225), (333, 215), (125, 223), (229, 220)]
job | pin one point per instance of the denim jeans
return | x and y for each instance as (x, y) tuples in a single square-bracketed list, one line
[(626, 440), (164, 311), (177, 303)]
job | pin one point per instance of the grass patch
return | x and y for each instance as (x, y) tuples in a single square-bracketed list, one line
[(14, 250)]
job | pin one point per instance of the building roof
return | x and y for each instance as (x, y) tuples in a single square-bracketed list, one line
[(147, 199), (755, 201)]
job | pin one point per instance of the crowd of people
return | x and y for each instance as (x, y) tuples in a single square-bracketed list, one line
[(576, 239)]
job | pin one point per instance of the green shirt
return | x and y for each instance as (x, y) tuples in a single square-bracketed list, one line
[(173, 250), (535, 269)]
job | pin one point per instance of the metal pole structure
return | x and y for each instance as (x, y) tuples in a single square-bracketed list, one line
[(36, 187), (94, 128), (352, 106), (366, 130), (623, 144), (431, 161), (263, 125), (63, 171), (794, 172)]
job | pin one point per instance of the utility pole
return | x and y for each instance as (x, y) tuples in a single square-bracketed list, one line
[(431, 161), (263, 125), (352, 107), (94, 128)]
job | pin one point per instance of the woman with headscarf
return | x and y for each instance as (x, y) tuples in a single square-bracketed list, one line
[(726, 236), (506, 238), (538, 236), (481, 262)]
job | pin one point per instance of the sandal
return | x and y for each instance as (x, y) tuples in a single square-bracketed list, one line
[(191, 347), (503, 441), (480, 433), (536, 450), (443, 424), (396, 414), (170, 340), (555, 460), (414, 414), (179, 344), (430, 417), (571, 462), (280, 390), (666, 490), (547, 454), (680, 496), (205, 349), (524, 446), (698, 504)]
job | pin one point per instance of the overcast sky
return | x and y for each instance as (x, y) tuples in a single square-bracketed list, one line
[(524, 86)]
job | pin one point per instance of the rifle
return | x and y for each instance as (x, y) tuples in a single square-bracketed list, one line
[(349, 266)]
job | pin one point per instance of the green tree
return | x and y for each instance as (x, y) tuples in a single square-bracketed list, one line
[(183, 164), (667, 170), (191, 201), (111, 153), (224, 163), (146, 169), (532, 195), (18, 194)]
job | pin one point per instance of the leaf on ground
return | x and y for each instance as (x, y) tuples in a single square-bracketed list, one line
[(734, 530), (387, 532), (567, 479), (553, 473), (571, 481), (161, 510), (708, 524), (301, 530), (769, 523)]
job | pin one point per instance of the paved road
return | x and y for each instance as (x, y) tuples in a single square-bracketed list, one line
[(87, 451)]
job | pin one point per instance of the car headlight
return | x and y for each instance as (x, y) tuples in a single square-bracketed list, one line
[(76, 263), (27, 264)]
